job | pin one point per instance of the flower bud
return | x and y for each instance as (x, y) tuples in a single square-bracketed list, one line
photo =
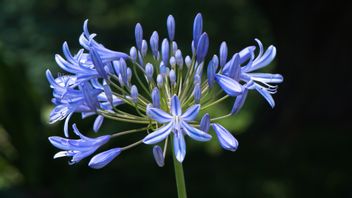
[(226, 139), (174, 47), (134, 93), (133, 54), (144, 48), (165, 51), (149, 69), (171, 27), (172, 76), (159, 80), (129, 74), (156, 97), (154, 43), (211, 74), (188, 61), (158, 155), (102, 159), (138, 32), (215, 60), (223, 53), (197, 28), (172, 61), (197, 93), (116, 65), (202, 47), (179, 59)]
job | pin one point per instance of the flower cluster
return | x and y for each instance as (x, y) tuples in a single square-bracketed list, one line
[(166, 89)]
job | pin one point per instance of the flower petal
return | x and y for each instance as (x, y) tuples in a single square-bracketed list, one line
[(227, 141), (102, 159), (191, 113), (205, 123), (179, 146), (230, 86), (267, 78), (266, 95), (195, 133), (98, 122), (158, 135), (175, 106), (158, 115), (239, 102)]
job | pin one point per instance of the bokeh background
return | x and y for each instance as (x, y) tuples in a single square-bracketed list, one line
[(302, 148)]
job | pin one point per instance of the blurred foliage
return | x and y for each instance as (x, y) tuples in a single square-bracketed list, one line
[(292, 151)]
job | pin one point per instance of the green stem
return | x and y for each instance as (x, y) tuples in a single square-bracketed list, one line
[(180, 179)]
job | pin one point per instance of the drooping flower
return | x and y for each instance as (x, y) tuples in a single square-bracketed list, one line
[(78, 149), (176, 122)]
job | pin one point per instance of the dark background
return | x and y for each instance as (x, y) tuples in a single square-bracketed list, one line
[(302, 148)]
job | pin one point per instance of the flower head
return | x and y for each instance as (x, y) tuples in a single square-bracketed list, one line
[(165, 91)]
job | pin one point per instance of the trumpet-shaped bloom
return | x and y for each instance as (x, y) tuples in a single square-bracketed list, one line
[(176, 122), (77, 148)]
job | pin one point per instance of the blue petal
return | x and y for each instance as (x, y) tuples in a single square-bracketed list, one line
[(205, 123), (98, 122), (246, 53), (81, 155), (158, 156), (102, 159), (267, 78), (179, 146), (266, 95), (227, 141), (230, 86), (98, 64), (158, 115), (66, 124), (159, 134), (195, 133), (262, 61), (239, 102), (175, 106), (191, 113)]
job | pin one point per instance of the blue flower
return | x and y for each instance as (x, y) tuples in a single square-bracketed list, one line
[(177, 123), (85, 98), (78, 149), (251, 81)]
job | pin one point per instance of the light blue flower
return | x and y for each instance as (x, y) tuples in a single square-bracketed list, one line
[(177, 123), (78, 149)]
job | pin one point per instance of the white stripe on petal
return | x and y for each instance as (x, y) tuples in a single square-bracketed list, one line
[(159, 134)]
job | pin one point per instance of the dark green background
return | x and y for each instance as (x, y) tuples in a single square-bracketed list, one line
[(302, 148)]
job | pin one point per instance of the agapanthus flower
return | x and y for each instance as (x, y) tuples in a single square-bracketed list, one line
[(78, 149), (176, 122), (165, 87)]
